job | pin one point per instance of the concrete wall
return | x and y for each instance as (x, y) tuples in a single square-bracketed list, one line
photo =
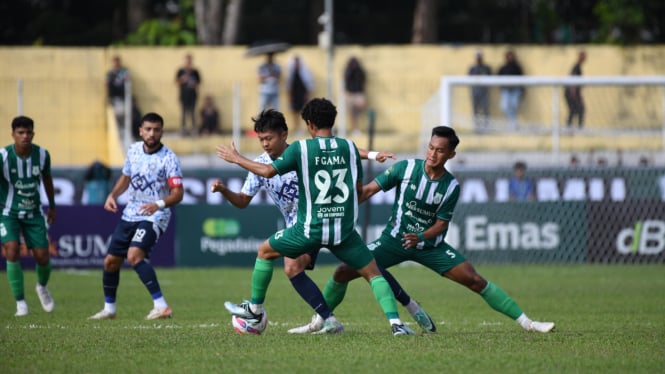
[(64, 87)]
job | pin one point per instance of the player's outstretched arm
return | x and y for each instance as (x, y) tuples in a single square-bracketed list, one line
[(368, 191), (374, 155), (120, 186), (47, 180), (237, 199), (230, 154)]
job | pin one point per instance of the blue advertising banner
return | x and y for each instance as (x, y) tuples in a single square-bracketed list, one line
[(81, 235)]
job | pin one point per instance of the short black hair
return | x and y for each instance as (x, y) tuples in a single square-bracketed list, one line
[(153, 117), (447, 132), (24, 122), (270, 120), (321, 112), (519, 165)]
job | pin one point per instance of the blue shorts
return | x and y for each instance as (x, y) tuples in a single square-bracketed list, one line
[(142, 234)]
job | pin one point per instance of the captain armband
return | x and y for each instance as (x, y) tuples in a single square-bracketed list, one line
[(174, 182)]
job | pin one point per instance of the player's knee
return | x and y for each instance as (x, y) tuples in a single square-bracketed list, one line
[(344, 273), (476, 282), (12, 252), (41, 256), (112, 263), (266, 252), (292, 269)]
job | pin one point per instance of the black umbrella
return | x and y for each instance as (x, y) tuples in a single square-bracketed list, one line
[(266, 47)]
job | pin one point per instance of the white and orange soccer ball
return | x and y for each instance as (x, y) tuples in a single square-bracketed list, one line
[(244, 327)]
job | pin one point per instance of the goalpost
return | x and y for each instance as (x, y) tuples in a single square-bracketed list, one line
[(615, 106)]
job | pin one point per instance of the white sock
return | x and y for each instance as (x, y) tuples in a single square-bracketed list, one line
[(524, 321), (22, 303), (256, 308), (160, 303), (331, 318), (109, 307), (395, 321), (412, 306)]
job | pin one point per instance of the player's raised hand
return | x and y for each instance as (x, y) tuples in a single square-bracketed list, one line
[(383, 156), (229, 154)]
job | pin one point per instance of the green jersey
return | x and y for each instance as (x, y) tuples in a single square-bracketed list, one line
[(328, 169), (419, 200), (20, 181)]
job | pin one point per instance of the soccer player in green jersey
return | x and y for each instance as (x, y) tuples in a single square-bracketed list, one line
[(25, 166), (329, 175), (426, 195)]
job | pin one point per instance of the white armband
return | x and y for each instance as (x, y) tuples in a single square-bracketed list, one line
[(161, 204), (372, 155)]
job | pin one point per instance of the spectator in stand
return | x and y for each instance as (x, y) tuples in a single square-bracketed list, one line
[(210, 123), (354, 84), (115, 87), (97, 183), (511, 95), (574, 161), (189, 79), (520, 188), (480, 94), (573, 95), (270, 74), (136, 119), (299, 85)]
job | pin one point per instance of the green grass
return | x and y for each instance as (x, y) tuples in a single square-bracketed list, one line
[(610, 319)]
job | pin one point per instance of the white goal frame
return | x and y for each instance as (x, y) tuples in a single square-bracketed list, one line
[(445, 98)]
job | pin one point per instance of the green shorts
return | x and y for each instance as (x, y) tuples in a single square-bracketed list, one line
[(33, 230), (291, 242), (388, 251)]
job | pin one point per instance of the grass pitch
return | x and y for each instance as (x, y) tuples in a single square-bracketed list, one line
[(610, 319)]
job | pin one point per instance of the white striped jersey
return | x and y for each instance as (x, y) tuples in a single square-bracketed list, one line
[(419, 200), (328, 170), (20, 183)]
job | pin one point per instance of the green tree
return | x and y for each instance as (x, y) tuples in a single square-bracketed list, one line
[(167, 30), (619, 21)]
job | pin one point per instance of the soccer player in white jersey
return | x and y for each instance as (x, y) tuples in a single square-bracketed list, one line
[(329, 174), (153, 178), (272, 132), (426, 195), (25, 166)]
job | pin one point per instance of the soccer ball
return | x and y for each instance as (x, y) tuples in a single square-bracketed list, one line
[(243, 327)]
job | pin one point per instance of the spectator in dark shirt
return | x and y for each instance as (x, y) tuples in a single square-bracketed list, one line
[(480, 94), (209, 117), (573, 94), (511, 95)]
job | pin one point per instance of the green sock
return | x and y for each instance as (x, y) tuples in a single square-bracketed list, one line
[(261, 277), (43, 273), (499, 300), (15, 276), (334, 293), (384, 295)]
